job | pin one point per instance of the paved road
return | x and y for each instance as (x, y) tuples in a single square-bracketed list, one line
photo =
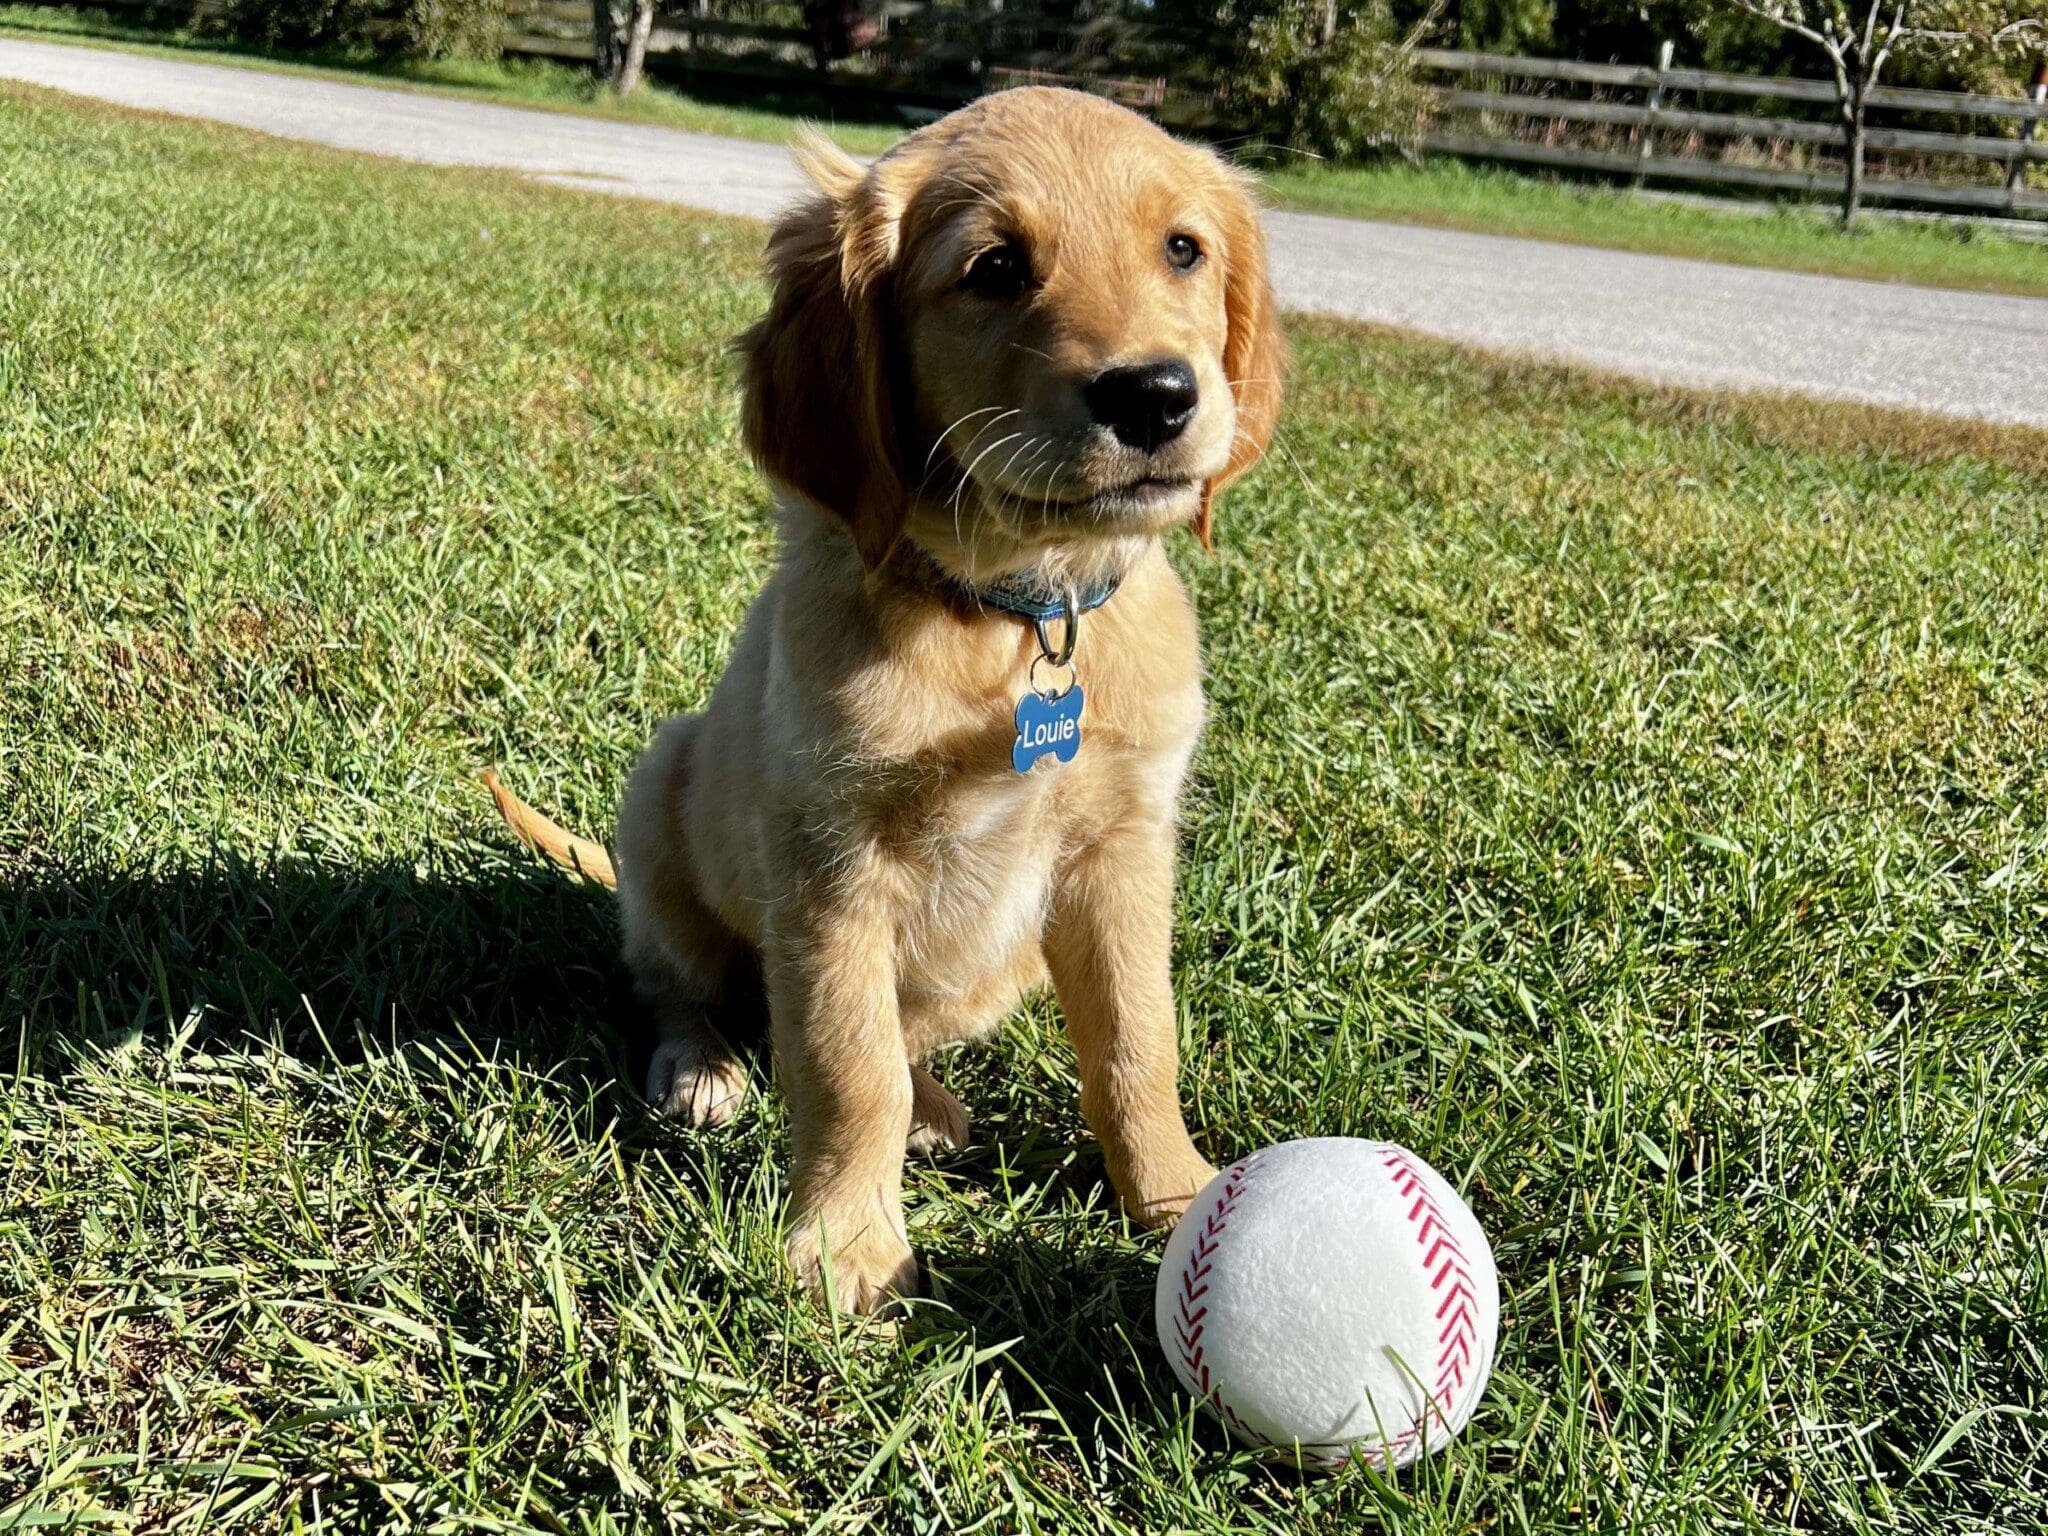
[(1653, 317)]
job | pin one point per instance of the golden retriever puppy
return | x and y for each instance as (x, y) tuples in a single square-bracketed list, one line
[(1000, 365)]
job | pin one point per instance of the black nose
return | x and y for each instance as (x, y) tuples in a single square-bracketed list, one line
[(1146, 404)]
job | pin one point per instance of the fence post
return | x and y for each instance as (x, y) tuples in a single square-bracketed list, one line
[(2017, 171), (1656, 100), (689, 11)]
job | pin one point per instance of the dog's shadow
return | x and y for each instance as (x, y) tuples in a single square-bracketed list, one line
[(496, 953), (484, 947), (1032, 1268)]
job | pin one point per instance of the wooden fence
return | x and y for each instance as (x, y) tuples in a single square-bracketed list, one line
[(1644, 121)]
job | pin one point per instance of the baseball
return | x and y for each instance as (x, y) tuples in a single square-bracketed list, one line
[(1333, 1297)]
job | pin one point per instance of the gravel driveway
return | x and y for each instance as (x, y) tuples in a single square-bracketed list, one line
[(1654, 317)]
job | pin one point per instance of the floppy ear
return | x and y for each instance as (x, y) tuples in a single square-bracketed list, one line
[(819, 415), (1254, 351)]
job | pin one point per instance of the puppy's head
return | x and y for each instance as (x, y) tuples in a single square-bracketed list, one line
[(1039, 329)]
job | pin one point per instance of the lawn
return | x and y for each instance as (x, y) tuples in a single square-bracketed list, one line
[(1440, 192), (1631, 801)]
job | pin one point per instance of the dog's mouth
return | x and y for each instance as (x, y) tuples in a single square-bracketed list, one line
[(1141, 496), (1146, 491)]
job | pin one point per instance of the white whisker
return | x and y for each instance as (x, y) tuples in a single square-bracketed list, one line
[(1002, 476), (940, 441), (967, 475)]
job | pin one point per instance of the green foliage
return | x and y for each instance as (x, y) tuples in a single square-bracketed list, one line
[(1330, 78), (1504, 26), (416, 29), (454, 29), (1955, 39), (1723, 34), (300, 25)]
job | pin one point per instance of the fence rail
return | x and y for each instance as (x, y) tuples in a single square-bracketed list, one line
[(1782, 87), (1792, 130), (1494, 123), (1562, 114), (1491, 123)]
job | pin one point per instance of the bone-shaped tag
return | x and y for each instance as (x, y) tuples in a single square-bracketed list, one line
[(1047, 725)]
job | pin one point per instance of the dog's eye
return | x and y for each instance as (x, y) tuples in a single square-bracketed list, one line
[(1000, 272), (1183, 252)]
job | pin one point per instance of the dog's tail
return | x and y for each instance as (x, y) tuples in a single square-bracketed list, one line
[(579, 855)]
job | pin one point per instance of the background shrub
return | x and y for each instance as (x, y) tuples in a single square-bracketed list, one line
[(1322, 76), (424, 29), (301, 24), (453, 29)]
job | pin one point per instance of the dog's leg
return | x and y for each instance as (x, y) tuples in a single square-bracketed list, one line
[(832, 1007), (680, 954), (1108, 945), (683, 961)]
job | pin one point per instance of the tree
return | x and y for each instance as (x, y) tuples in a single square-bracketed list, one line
[(618, 30), (1860, 37)]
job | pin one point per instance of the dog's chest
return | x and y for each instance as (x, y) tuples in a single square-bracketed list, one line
[(982, 864)]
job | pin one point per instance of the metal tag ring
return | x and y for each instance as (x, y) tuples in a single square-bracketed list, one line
[(1065, 653), (1056, 664)]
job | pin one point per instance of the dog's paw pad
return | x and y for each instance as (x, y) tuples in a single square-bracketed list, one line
[(686, 1082)]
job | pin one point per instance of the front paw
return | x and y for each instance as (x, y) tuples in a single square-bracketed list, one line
[(859, 1264), (1156, 1196)]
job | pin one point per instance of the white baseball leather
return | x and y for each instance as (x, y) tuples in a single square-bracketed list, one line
[(1332, 1294)]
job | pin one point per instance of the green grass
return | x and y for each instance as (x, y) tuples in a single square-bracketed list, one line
[(1441, 192), (1631, 801)]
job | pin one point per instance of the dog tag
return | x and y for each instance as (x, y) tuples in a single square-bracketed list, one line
[(1047, 723)]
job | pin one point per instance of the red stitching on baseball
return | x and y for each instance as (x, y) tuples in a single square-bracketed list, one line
[(1188, 1325), (1456, 1342)]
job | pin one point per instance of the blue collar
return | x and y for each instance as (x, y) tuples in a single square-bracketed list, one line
[(1028, 597)]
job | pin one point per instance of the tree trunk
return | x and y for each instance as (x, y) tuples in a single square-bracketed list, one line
[(604, 40), (619, 41), (1853, 132), (634, 56)]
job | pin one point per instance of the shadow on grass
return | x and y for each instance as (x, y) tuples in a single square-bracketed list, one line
[(320, 956), (1061, 1299), (484, 952), (1035, 1267)]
